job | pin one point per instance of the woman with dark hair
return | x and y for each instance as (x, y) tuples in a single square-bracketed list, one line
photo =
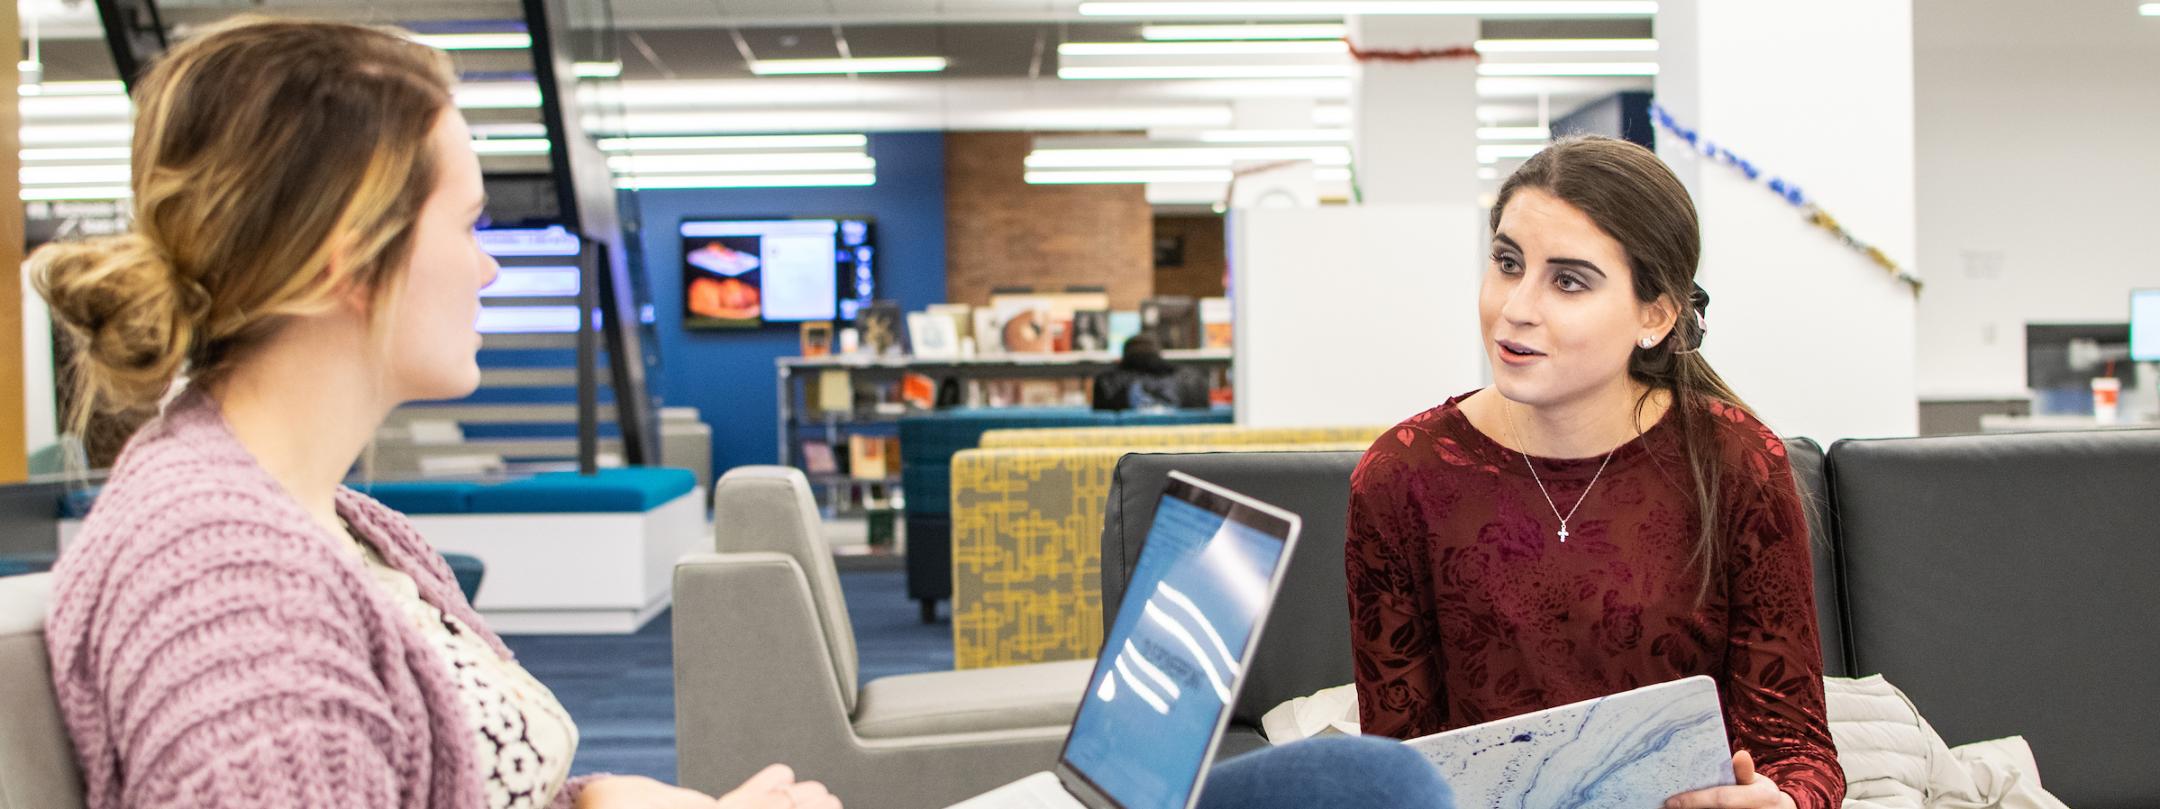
[(1607, 515), (1144, 380)]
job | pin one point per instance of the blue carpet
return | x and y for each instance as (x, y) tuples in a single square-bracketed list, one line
[(621, 688)]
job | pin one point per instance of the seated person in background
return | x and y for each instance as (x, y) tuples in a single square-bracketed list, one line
[(1145, 381)]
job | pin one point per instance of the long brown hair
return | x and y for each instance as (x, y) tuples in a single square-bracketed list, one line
[(1636, 199), (275, 163)]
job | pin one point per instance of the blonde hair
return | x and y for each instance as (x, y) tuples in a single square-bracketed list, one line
[(277, 164)]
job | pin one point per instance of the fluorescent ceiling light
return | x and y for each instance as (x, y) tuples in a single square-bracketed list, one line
[(1207, 72), (1567, 46), (1173, 156), (1490, 153), (1128, 177), (502, 41), (596, 70), (1242, 32), (511, 146), (1334, 175), (47, 135), (75, 175), (53, 194), (509, 130), (740, 162), (74, 88), (2150, 9), (1273, 136), (74, 106), (809, 67), (1514, 133), (1203, 48), (1324, 8), (1568, 69), (746, 181), (699, 144), (506, 95), (67, 154)]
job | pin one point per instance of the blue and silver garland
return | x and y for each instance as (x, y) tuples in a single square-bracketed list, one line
[(1785, 189)]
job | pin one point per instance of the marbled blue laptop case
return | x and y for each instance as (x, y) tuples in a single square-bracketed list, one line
[(1633, 749)]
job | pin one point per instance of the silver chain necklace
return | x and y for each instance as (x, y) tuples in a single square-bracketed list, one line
[(1517, 433)]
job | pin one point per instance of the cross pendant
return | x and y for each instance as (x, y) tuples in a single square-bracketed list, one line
[(1563, 533)]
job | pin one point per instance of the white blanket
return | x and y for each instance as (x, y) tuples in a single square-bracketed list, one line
[(1892, 758)]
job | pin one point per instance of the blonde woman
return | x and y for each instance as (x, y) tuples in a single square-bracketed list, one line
[(232, 627)]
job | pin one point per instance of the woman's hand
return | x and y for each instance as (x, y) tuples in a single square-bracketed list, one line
[(773, 788), (1753, 791), (639, 792)]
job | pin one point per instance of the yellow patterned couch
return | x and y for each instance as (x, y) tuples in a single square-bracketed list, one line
[(1027, 534)]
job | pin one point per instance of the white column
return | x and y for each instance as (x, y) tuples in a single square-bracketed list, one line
[(1814, 335), (1414, 124), (1367, 314)]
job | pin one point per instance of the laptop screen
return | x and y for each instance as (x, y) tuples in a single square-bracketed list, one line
[(1170, 667)]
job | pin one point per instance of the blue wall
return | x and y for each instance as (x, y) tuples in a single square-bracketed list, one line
[(728, 375)]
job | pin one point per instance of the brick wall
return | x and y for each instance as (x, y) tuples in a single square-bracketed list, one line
[(1000, 231)]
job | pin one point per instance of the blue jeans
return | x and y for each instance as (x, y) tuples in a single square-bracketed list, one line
[(1352, 773)]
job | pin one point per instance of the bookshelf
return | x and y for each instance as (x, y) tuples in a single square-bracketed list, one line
[(801, 418)]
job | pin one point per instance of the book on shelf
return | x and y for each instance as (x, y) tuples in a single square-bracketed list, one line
[(918, 391), (835, 391), (1174, 321), (933, 336), (1061, 334), (873, 457), (818, 458), (1091, 330), (817, 338), (961, 315), (985, 332), (1215, 322), (880, 324), (1023, 325)]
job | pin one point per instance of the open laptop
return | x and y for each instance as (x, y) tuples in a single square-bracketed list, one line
[(1170, 670), (1635, 748)]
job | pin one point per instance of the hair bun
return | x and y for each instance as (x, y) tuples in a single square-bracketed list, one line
[(134, 323)]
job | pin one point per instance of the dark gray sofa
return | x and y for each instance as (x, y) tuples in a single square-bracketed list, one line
[(2004, 582)]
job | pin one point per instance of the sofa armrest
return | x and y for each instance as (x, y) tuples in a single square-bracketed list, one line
[(753, 686)]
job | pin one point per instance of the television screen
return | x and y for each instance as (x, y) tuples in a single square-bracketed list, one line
[(749, 273), (2145, 325)]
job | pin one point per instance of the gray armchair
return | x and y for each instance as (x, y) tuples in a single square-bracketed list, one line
[(765, 671), (37, 762)]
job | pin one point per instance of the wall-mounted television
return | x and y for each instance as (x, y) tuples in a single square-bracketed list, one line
[(748, 273)]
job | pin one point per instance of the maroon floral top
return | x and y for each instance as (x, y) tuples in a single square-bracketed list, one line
[(1466, 607)]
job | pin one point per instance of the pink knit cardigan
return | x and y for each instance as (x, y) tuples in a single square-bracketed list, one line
[(213, 647)]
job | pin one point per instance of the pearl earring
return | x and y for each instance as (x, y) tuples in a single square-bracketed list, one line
[(1647, 342)]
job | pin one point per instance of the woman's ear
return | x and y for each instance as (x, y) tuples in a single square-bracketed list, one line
[(1659, 316), (351, 293)]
